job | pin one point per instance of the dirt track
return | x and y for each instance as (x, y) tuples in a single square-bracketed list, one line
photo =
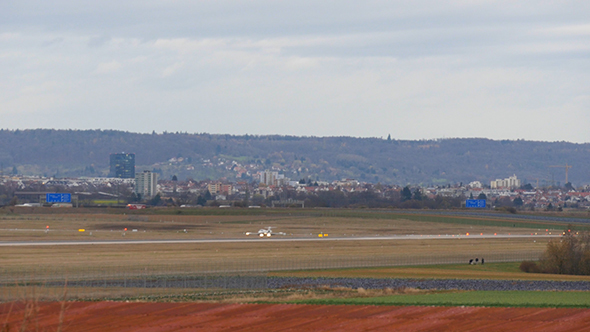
[(119, 316)]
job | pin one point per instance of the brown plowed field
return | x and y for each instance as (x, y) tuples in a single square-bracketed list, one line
[(120, 316)]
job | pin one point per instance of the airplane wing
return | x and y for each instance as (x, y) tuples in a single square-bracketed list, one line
[(258, 233), (265, 233)]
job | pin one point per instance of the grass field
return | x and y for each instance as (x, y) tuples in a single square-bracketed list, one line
[(495, 219), (66, 226), (494, 271), (471, 298), (330, 296), (105, 202), (321, 296), (105, 224), (423, 258), (262, 256)]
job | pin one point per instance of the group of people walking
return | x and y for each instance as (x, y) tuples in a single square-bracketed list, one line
[(476, 261)]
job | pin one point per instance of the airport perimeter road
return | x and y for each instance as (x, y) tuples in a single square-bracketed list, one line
[(273, 239)]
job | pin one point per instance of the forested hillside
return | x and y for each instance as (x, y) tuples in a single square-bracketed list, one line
[(75, 153)]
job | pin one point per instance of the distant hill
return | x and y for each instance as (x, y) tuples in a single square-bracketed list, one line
[(199, 156)]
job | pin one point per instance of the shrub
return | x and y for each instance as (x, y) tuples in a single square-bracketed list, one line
[(510, 209), (568, 255), (529, 267)]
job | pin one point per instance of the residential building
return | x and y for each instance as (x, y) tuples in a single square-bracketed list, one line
[(226, 189), (269, 178), (510, 182), (475, 184), (214, 188), (272, 178), (146, 184)]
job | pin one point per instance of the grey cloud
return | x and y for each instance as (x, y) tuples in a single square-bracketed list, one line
[(97, 41), (501, 69)]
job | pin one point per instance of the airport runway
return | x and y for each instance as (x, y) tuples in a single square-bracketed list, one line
[(274, 239)]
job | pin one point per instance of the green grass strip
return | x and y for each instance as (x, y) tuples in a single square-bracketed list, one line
[(537, 299), (501, 220)]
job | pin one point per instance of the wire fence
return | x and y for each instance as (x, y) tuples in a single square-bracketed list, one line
[(219, 274)]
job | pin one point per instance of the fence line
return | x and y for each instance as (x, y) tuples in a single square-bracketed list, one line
[(256, 265), (207, 275)]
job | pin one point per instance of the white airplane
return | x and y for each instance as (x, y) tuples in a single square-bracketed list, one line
[(265, 232)]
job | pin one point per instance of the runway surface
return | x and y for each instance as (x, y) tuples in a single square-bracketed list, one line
[(275, 239)]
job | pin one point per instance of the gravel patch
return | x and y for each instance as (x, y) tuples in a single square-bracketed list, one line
[(264, 282), (432, 284)]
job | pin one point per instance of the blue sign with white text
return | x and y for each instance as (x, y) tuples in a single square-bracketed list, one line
[(58, 198), (475, 203)]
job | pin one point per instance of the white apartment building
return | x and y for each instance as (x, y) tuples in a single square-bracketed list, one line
[(269, 177), (272, 178), (510, 182), (475, 184), (146, 184)]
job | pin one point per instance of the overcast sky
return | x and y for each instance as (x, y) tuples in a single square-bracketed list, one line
[(413, 69)]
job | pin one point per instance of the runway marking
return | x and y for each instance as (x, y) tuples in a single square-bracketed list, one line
[(275, 239)]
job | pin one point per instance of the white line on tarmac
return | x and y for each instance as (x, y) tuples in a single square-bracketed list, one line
[(274, 239)]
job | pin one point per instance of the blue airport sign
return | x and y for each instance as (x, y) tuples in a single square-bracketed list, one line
[(58, 198), (475, 203)]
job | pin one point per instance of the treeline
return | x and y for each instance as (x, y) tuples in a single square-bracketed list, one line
[(336, 199), (569, 254), (327, 199), (443, 161)]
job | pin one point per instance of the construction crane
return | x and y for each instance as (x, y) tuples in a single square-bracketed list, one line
[(567, 167)]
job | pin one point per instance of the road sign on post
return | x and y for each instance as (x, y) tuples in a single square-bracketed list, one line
[(475, 203), (58, 198)]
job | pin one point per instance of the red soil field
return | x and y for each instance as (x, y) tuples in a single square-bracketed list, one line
[(155, 317)]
